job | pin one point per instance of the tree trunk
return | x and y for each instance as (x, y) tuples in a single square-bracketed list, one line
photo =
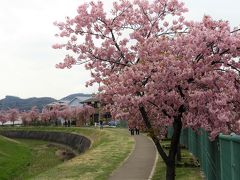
[(153, 136), (170, 174), (177, 127)]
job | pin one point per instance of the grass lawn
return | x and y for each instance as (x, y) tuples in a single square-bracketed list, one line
[(43, 157), (23, 159), (182, 173), (109, 148), (14, 158)]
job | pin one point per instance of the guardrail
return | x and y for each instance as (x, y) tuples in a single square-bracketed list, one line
[(219, 159)]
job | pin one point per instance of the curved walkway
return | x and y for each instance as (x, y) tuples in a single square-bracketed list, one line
[(140, 163)]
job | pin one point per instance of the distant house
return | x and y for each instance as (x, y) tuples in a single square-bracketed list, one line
[(77, 101), (94, 102), (62, 104)]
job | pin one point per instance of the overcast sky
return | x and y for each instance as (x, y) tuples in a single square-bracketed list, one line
[(27, 61)]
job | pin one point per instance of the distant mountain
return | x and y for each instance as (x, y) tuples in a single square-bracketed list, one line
[(80, 95), (24, 104), (27, 104)]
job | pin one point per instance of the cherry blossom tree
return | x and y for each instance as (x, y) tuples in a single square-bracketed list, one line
[(77, 115), (3, 117), (82, 114), (24, 117), (157, 68), (87, 112), (54, 113), (12, 115), (66, 114), (45, 116), (33, 115)]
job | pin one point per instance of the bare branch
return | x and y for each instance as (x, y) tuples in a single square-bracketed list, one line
[(172, 32), (124, 10), (163, 110), (107, 60), (116, 44), (224, 52), (235, 30), (180, 91), (83, 62)]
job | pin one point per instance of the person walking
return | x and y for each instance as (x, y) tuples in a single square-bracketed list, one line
[(137, 130), (131, 129), (101, 124), (69, 123)]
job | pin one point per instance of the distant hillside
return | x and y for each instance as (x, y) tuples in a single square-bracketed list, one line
[(24, 104), (71, 96), (27, 104)]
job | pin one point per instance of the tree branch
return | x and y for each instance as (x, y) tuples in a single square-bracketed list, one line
[(107, 60), (235, 30), (163, 110), (153, 136)]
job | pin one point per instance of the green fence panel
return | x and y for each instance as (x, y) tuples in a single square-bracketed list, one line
[(212, 156), (198, 145), (204, 165), (225, 146), (236, 160), (230, 157), (170, 132), (184, 137), (202, 154), (192, 142)]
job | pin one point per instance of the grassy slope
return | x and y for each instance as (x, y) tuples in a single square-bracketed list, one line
[(23, 159), (13, 158), (43, 157), (109, 148)]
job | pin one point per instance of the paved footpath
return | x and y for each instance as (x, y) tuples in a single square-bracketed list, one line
[(140, 163)]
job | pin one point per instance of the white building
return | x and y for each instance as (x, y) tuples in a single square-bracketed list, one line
[(77, 101)]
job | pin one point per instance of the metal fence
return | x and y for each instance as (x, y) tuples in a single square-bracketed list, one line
[(219, 159)]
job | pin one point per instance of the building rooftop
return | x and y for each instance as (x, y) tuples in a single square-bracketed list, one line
[(92, 99)]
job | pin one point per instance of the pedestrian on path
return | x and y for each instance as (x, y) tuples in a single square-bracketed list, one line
[(69, 123), (101, 124), (131, 129), (137, 130)]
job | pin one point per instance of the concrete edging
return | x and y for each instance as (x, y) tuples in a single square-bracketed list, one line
[(75, 141)]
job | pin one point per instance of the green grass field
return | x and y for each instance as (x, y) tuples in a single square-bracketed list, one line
[(14, 158), (109, 148)]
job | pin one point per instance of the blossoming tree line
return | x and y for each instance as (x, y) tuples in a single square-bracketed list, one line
[(157, 69), (49, 115)]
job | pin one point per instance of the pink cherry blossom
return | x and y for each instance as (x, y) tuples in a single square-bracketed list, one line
[(159, 74)]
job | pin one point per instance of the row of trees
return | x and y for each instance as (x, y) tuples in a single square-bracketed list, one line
[(49, 115), (158, 69)]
